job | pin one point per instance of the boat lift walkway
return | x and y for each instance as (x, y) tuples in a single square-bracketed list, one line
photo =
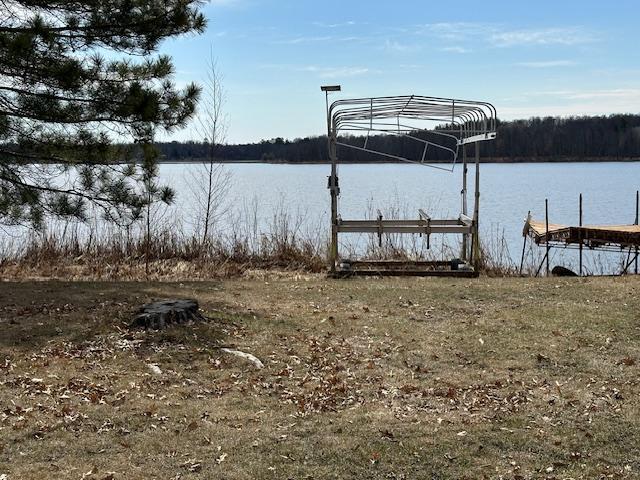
[(592, 236)]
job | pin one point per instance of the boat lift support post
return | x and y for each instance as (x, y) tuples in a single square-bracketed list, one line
[(464, 254), (475, 254), (334, 188), (471, 250), (466, 122)]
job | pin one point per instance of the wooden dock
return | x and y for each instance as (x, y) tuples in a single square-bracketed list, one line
[(594, 237)]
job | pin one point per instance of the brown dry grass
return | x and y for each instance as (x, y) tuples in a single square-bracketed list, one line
[(391, 378), (170, 256)]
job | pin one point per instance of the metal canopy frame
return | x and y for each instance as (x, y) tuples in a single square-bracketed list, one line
[(452, 123)]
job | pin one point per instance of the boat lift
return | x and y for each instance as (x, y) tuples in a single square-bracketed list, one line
[(448, 125)]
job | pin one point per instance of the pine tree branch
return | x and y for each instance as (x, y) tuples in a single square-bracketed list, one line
[(15, 181)]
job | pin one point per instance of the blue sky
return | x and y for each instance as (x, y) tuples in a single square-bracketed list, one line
[(528, 58)]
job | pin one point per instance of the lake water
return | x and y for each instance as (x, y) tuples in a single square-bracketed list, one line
[(508, 192), (258, 193)]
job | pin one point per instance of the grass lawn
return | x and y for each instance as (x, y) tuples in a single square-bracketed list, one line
[(368, 378)]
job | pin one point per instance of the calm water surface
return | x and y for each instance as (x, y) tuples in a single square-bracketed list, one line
[(508, 192)]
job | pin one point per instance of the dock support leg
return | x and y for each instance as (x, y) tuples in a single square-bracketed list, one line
[(634, 258), (637, 215), (524, 247), (580, 270), (546, 220), (546, 255)]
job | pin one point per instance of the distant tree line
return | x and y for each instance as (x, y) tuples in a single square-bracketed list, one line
[(614, 137)]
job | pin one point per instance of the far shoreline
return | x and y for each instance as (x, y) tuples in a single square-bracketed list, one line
[(470, 162)]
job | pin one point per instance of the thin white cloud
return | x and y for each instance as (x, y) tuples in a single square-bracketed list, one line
[(223, 3), (397, 47), (573, 102), (298, 40), (501, 36), (353, 38), (321, 71), (349, 23), (456, 49), (632, 94), (456, 31), (545, 36), (337, 72), (628, 94), (316, 39), (547, 64), (410, 66)]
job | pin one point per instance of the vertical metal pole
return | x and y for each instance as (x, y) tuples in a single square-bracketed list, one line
[(524, 244), (580, 237), (465, 236), (334, 191), (637, 215), (546, 220), (476, 213), (326, 99), (333, 185)]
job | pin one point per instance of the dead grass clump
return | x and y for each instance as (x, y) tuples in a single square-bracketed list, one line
[(167, 256)]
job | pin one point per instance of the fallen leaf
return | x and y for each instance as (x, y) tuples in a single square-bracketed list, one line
[(192, 426)]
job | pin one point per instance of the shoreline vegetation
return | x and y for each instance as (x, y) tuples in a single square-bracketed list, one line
[(169, 251), (75, 253), (174, 247)]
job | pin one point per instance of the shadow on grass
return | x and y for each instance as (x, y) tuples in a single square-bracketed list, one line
[(34, 314)]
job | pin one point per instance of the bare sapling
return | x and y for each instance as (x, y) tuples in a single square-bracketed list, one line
[(211, 181)]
